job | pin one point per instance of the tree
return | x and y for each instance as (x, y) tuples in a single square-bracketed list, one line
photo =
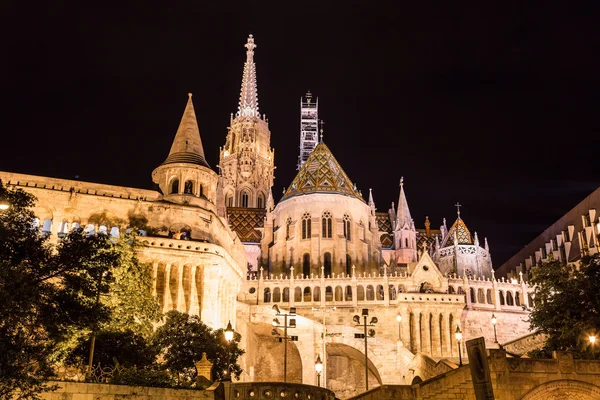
[(50, 296), (43, 295), (567, 303), (182, 340)]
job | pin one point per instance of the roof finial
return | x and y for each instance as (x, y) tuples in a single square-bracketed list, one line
[(401, 181), (458, 206), (322, 123), (190, 95), (250, 46)]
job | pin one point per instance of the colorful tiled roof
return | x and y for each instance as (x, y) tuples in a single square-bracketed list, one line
[(321, 173), (245, 221), (463, 234)]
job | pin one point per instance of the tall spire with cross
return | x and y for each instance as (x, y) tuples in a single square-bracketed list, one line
[(458, 206), (248, 106), (246, 161), (403, 218)]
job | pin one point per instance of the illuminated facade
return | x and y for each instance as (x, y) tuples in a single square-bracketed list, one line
[(220, 247)]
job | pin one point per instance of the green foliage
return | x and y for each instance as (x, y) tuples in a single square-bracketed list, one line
[(52, 296), (126, 349), (182, 340), (130, 295), (134, 376), (567, 303)]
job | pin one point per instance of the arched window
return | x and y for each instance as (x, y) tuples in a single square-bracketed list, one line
[(244, 199), (175, 186), (188, 188), (327, 263), (347, 226), (260, 201), (406, 242), (348, 265), (201, 194), (306, 264), (229, 200), (306, 226), (287, 228), (326, 224)]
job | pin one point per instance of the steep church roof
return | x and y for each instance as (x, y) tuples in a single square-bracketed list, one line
[(187, 145), (403, 218), (463, 235), (321, 173)]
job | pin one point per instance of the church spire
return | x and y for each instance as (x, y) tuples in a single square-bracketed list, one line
[(187, 145), (403, 218), (248, 106)]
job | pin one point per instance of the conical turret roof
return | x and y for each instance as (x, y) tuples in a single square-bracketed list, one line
[(321, 173), (187, 145), (463, 235)]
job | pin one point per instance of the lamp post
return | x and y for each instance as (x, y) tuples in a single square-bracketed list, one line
[(285, 337), (229, 332), (4, 204), (494, 320), (319, 369), (399, 319), (592, 339), (458, 335), (356, 319)]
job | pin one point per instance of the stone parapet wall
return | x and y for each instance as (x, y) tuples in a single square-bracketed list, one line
[(97, 391)]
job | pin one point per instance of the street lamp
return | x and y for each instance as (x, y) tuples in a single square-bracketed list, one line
[(458, 335), (229, 332), (4, 204), (285, 337), (399, 319), (319, 369), (356, 319), (494, 320), (592, 339)]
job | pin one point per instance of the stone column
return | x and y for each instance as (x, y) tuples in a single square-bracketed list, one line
[(180, 293), (154, 276), (167, 291), (292, 288), (435, 336), (194, 305)]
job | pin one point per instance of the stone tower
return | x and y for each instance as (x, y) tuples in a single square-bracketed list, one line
[(247, 161), (405, 234), (185, 177)]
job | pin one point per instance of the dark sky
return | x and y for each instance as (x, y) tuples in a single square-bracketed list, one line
[(491, 105)]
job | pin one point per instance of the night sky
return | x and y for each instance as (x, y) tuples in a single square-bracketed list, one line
[(494, 106)]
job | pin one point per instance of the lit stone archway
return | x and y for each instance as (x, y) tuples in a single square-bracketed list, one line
[(265, 361), (564, 390), (346, 371)]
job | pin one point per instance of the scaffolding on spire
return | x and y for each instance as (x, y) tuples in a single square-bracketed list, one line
[(309, 127)]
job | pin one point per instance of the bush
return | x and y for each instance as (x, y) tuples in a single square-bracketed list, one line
[(142, 377)]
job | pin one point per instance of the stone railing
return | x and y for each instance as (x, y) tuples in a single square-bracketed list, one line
[(277, 390), (383, 289)]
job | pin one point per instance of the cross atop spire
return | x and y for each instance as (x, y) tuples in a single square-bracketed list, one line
[(401, 181), (458, 206), (248, 106)]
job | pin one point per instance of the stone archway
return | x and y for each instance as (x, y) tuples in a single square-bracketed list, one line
[(265, 360), (346, 371), (564, 390)]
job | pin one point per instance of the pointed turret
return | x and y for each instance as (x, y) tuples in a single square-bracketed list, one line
[(187, 145), (270, 201), (248, 106), (458, 232), (405, 234), (371, 202), (403, 218), (185, 176)]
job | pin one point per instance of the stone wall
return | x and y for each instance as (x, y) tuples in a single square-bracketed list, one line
[(512, 379), (97, 391)]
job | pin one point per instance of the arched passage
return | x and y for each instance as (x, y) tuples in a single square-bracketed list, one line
[(346, 371), (564, 389)]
